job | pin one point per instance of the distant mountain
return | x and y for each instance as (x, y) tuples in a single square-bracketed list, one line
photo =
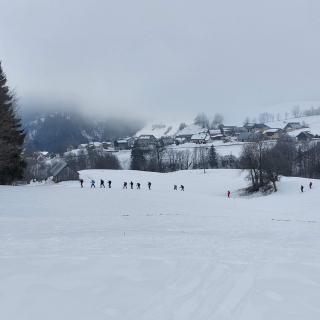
[(56, 131)]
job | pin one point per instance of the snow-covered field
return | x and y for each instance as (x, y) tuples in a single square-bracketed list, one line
[(72, 253)]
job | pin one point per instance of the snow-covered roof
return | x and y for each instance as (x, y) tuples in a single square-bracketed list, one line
[(271, 130), (244, 135), (215, 132), (122, 141), (199, 136), (294, 125)]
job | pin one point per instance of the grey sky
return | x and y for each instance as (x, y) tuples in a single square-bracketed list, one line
[(150, 56)]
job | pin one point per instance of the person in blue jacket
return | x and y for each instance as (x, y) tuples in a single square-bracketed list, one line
[(93, 183)]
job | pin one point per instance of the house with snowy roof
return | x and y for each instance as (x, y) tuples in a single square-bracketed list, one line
[(272, 134), (248, 126), (120, 144), (259, 127), (291, 126), (201, 138), (304, 137), (63, 172), (145, 140), (82, 146)]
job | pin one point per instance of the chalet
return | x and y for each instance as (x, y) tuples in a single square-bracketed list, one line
[(107, 144), (228, 130), (214, 132), (304, 136), (120, 144), (259, 127), (178, 141), (248, 126), (272, 134), (82, 146), (131, 141), (291, 126), (63, 172), (186, 136), (249, 136), (70, 148), (145, 140), (244, 137), (218, 137), (201, 138)]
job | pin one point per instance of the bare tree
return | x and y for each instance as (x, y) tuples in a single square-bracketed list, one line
[(246, 120), (286, 114), (203, 158), (295, 111), (278, 116), (202, 120), (218, 119)]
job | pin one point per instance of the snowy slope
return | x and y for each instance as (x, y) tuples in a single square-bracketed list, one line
[(159, 132), (71, 253), (313, 123)]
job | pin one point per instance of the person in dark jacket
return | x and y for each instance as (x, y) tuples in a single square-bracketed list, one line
[(125, 185), (310, 184), (109, 183), (149, 185), (138, 185), (81, 182), (302, 188), (182, 188), (102, 183), (131, 184)]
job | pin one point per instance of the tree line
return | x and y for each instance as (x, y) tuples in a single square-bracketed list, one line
[(266, 162)]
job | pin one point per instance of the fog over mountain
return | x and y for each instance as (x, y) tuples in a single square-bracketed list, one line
[(144, 59)]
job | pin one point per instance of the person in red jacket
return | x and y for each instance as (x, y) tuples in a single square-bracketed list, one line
[(310, 184), (175, 187), (228, 194)]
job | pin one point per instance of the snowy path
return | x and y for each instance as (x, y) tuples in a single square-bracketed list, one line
[(71, 253)]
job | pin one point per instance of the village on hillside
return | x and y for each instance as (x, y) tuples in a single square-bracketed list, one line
[(193, 134)]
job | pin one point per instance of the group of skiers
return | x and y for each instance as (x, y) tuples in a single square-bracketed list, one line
[(125, 185), (302, 187), (109, 184)]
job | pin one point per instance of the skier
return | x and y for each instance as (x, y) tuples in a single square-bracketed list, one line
[(138, 185), (125, 185), (175, 187), (228, 194), (149, 185), (109, 183), (182, 188), (301, 188), (131, 184), (102, 184), (81, 181), (93, 183), (310, 184)]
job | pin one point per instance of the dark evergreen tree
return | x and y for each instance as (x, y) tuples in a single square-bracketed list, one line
[(213, 161), (138, 160), (11, 135)]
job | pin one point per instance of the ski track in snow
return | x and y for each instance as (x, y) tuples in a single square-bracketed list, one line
[(72, 253)]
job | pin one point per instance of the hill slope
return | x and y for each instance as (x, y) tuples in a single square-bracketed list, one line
[(72, 253)]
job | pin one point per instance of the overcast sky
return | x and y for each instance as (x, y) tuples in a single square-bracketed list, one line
[(142, 57)]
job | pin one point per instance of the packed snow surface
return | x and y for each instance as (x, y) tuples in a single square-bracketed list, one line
[(71, 253)]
